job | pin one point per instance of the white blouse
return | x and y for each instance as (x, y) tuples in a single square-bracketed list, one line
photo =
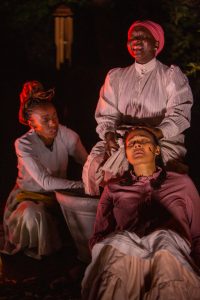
[(39, 168), (154, 94)]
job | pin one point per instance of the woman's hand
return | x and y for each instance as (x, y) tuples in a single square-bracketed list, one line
[(111, 143)]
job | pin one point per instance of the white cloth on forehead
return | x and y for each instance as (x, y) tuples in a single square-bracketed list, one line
[(117, 163)]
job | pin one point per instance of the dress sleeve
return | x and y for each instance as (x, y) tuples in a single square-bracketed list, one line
[(107, 114), (31, 162), (105, 222), (74, 145), (179, 103)]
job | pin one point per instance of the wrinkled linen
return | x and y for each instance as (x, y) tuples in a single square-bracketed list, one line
[(97, 170), (153, 94), (157, 266), (32, 225)]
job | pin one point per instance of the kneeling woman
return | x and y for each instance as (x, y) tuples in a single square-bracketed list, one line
[(146, 241), (30, 217)]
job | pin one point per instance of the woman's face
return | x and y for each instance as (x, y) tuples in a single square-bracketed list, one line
[(44, 120), (142, 45), (141, 148)]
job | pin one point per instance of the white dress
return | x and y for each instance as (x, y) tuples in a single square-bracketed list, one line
[(154, 94), (156, 266), (30, 225)]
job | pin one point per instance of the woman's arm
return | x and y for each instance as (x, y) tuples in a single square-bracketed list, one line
[(179, 103), (79, 153), (31, 162), (74, 145), (107, 114), (105, 222)]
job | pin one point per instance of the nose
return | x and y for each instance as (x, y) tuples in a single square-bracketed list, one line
[(137, 145), (52, 123), (134, 41)]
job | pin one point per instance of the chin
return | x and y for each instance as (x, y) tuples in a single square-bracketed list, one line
[(53, 135)]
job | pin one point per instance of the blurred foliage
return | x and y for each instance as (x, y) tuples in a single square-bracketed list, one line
[(182, 29)]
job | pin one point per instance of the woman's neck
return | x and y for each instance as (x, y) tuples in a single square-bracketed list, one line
[(47, 142), (144, 170)]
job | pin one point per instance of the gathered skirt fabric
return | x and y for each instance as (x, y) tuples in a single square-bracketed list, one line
[(30, 226), (127, 267)]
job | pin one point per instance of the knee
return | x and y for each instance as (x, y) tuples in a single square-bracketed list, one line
[(30, 211)]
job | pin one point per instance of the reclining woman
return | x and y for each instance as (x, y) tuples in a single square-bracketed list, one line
[(146, 240), (31, 214)]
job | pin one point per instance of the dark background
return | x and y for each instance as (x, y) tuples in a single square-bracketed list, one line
[(27, 52)]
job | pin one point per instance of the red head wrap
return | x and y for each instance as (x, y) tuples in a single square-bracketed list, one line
[(155, 29)]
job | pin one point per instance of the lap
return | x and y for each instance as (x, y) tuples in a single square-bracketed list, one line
[(124, 262)]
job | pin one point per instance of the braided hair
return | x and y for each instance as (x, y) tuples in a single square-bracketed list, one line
[(32, 95), (155, 183)]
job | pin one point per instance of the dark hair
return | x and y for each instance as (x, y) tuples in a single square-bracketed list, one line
[(127, 178), (32, 95)]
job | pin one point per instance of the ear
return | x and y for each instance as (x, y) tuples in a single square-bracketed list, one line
[(31, 124), (157, 151)]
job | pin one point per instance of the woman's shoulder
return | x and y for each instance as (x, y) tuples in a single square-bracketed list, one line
[(26, 139), (119, 71), (182, 178), (184, 184), (66, 131), (67, 136), (26, 143), (170, 70)]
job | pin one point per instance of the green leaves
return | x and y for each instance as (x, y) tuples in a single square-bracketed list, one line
[(182, 29)]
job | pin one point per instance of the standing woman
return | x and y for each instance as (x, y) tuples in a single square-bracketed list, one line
[(30, 221)]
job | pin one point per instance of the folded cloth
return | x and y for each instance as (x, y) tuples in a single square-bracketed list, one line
[(117, 163), (47, 198)]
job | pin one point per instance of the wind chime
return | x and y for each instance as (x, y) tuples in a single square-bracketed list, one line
[(63, 34)]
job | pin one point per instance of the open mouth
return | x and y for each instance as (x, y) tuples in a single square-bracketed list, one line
[(137, 47), (137, 51)]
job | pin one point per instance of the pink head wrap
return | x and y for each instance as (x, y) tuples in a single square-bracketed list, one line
[(155, 29)]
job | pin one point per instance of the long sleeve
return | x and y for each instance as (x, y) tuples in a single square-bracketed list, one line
[(161, 98), (42, 176), (79, 152), (178, 105), (74, 145), (107, 114), (105, 222), (40, 169)]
